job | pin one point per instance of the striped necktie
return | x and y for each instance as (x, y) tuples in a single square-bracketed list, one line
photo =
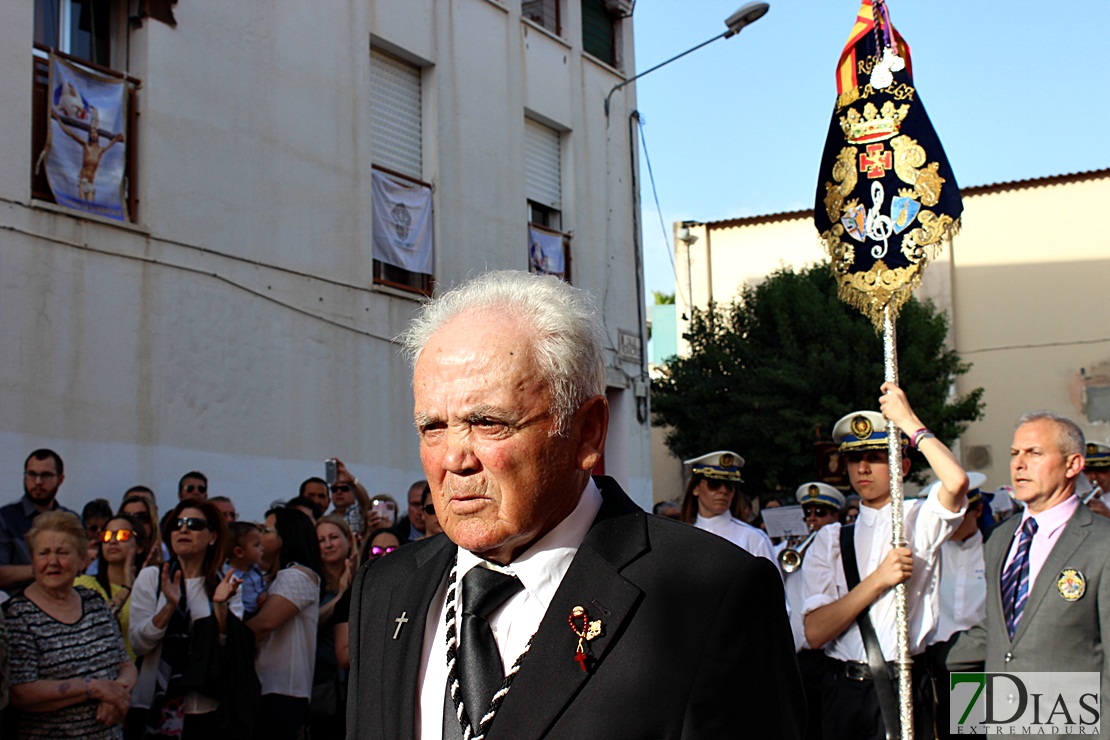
[(1015, 580)]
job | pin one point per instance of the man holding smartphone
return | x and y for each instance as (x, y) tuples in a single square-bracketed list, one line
[(348, 498)]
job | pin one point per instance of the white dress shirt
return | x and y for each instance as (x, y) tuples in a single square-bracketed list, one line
[(738, 533), (963, 586), (927, 524), (795, 597), (541, 569)]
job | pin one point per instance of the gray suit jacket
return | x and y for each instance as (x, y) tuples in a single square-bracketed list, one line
[(696, 643), (1054, 634)]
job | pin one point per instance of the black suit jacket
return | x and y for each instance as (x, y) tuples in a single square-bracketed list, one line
[(696, 643)]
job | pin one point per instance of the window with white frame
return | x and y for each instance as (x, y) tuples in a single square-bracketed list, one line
[(548, 246), (402, 200)]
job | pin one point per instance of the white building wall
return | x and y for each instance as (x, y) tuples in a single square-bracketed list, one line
[(233, 328)]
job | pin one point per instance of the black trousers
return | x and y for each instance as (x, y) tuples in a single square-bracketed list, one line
[(811, 663), (280, 717), (850, 708)]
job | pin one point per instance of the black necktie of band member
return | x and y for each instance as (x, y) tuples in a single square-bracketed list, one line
[(480, 669)]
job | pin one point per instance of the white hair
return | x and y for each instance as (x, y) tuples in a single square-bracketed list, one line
[(568, 334), (1069, 437)]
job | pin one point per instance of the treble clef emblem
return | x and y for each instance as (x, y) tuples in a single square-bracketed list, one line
[(877, 226)]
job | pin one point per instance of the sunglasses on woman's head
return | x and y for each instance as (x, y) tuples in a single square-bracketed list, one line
[(142, 516), (120, 535), (192, 523), (377, 551)]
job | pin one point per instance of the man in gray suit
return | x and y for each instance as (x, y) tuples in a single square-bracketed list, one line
[(1055, 622)]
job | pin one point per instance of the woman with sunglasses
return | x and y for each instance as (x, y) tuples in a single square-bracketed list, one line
[(143, 509), (285, 626), (432, 527), (327, 708), (166, 605), (117, 561), (380, 542)]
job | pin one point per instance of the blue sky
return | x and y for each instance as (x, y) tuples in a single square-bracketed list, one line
[(1016, 89)]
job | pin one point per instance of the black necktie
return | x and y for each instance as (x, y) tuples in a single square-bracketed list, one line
[(480, 669)]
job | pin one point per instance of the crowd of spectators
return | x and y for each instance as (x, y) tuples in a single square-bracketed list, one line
[(118, 623)]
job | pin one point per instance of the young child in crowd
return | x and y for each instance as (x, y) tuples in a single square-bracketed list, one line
[(245, 540)]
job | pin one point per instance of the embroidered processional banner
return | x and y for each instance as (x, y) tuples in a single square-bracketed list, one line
[(886, 195)]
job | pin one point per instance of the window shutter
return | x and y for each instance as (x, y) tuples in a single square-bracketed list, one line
[(543, 182), (395, 131), (597, 31)]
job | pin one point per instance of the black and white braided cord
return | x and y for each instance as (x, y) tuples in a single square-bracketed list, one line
[(468, 730)]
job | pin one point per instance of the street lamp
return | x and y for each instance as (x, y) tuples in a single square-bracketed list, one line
[(745, 16)]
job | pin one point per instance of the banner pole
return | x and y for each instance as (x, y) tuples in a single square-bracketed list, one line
[(898, 533)]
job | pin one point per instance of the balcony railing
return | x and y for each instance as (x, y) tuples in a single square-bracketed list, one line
[(40, 114)]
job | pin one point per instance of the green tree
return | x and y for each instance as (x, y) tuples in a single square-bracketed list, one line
[(787, 359), (663, 299)]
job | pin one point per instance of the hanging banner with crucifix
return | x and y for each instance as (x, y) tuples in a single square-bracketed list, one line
[(886, 195), (85, 149)]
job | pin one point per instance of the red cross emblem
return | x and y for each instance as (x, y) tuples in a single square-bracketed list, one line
[(876, 162)]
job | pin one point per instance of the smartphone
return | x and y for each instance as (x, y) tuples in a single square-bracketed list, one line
[(385, 509), (331, 471)]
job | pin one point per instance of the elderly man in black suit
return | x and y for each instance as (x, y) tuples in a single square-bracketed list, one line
[(552, 606)]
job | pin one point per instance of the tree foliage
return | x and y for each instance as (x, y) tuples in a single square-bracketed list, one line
[(787, 359)]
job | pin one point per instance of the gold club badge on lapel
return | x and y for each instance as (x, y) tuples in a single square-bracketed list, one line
[(1071, 584), (588, 631)]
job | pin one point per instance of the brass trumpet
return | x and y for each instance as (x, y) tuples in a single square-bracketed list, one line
[(790, 559)]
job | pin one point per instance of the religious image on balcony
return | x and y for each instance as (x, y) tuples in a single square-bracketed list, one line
[(86, 149)]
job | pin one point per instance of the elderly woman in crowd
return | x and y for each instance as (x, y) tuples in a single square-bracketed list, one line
[(118, 557), (285, 626), (70, 674), (167, 604)]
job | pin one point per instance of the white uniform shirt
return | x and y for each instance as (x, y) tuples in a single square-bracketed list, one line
[(963, 586), (795, 597), (927, 525), (738, 533), (541, 569)]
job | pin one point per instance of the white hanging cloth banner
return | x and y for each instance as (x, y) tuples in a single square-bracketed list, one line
[(402, 223)]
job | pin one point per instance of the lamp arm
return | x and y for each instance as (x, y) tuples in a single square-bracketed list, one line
[(691, 50)]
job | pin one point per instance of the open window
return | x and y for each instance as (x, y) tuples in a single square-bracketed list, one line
[(548, 244)]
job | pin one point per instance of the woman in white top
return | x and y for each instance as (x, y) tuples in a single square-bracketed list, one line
[(285, 626), (166, 602), (712, 503)]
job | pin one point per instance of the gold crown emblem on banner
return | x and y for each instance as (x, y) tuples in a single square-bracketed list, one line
[(874, 124)]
